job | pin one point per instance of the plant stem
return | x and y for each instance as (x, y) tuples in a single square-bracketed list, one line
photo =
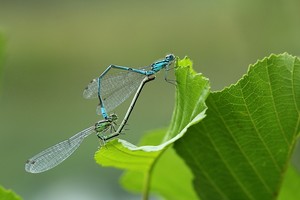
[(147, 184), (148, 174)]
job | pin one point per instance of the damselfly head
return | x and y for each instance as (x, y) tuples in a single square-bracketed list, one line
[(170, 57)]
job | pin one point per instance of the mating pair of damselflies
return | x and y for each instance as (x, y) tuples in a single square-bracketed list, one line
[(111, 91)]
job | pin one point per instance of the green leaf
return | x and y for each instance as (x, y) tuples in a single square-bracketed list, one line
[(242, 148), (8, 195), (174, 184), (291, 185), (191, 91)]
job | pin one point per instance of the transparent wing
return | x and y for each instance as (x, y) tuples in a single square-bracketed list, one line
[(91, 90), (115, 88), (56, 154)]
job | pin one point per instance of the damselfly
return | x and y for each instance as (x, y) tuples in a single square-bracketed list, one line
[(56, 154), (112, 90)]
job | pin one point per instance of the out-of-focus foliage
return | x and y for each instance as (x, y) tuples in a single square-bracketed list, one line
[(1, 57), (8, 195)]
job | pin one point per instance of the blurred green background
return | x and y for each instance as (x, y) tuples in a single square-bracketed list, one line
[(54, 48)]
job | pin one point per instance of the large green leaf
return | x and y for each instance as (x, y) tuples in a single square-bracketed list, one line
[(191, 92), (8, 195), (242, 149)]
